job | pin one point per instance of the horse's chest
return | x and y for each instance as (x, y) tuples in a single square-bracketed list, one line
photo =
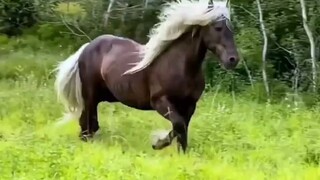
[(175, 83), (191, 87)]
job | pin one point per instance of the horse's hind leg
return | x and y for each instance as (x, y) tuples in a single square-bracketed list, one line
[(89, 120), (88, 123)]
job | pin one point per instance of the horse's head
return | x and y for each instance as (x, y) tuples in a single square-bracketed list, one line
[(218, 38)]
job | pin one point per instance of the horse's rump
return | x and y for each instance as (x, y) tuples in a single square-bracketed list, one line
[(103, 63)]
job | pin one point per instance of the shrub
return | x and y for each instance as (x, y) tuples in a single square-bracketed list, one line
[(16, 15)]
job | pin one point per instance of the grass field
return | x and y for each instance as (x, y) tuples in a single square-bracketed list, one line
[(229, 138)]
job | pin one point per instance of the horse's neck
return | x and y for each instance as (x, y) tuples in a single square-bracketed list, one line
[(192, 45)]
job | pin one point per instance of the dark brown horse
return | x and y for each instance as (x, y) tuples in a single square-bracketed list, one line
[(164, 75)]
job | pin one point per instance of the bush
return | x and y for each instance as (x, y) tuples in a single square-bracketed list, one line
[(16, 15), (4, 40)]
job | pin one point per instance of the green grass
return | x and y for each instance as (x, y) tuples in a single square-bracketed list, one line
[(229, 138)]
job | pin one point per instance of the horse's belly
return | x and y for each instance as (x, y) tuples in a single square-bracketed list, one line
[(131, 95), (135, 102)]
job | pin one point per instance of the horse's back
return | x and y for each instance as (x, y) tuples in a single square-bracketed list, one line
[(117, 53), (106, 52)]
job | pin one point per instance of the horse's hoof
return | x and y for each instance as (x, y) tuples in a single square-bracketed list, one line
[(160, 145), (86, 137), (160, 140), (154, 147)]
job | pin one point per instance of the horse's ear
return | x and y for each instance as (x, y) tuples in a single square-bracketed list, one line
[(228, 6), (228, 3), (210, 5)]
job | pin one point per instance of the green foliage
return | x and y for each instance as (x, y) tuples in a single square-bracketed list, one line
[(16, 15), (70, 8), (3, 40), (32, 60), (55, 35)]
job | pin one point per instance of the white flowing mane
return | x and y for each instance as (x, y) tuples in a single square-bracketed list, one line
[(175, 18)]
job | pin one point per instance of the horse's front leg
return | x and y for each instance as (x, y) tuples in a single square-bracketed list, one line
[(179, 122)]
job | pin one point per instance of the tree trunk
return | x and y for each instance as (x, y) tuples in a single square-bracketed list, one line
[(141, 26), (107, 15), (265, 46), (247, 70), (312, 45)]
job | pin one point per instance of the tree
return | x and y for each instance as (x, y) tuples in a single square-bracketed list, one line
[(265, 47), (312, 44), (15, 15)]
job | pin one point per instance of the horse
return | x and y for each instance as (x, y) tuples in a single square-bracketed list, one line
[(164, 75)]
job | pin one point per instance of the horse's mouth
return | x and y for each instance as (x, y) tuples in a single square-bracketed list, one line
[(229, 66)]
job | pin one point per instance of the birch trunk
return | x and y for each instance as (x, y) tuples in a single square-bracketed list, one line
[(265, 46), (312, 45), (296, 75), (123, 19), (107, 15), (140, 28), (247, 70)]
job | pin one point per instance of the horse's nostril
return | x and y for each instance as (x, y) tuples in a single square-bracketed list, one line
[(232, 59)]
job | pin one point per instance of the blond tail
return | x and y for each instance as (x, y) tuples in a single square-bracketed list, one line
[(69, 87)]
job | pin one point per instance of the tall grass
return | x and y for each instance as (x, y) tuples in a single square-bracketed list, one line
[(230, 137)]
